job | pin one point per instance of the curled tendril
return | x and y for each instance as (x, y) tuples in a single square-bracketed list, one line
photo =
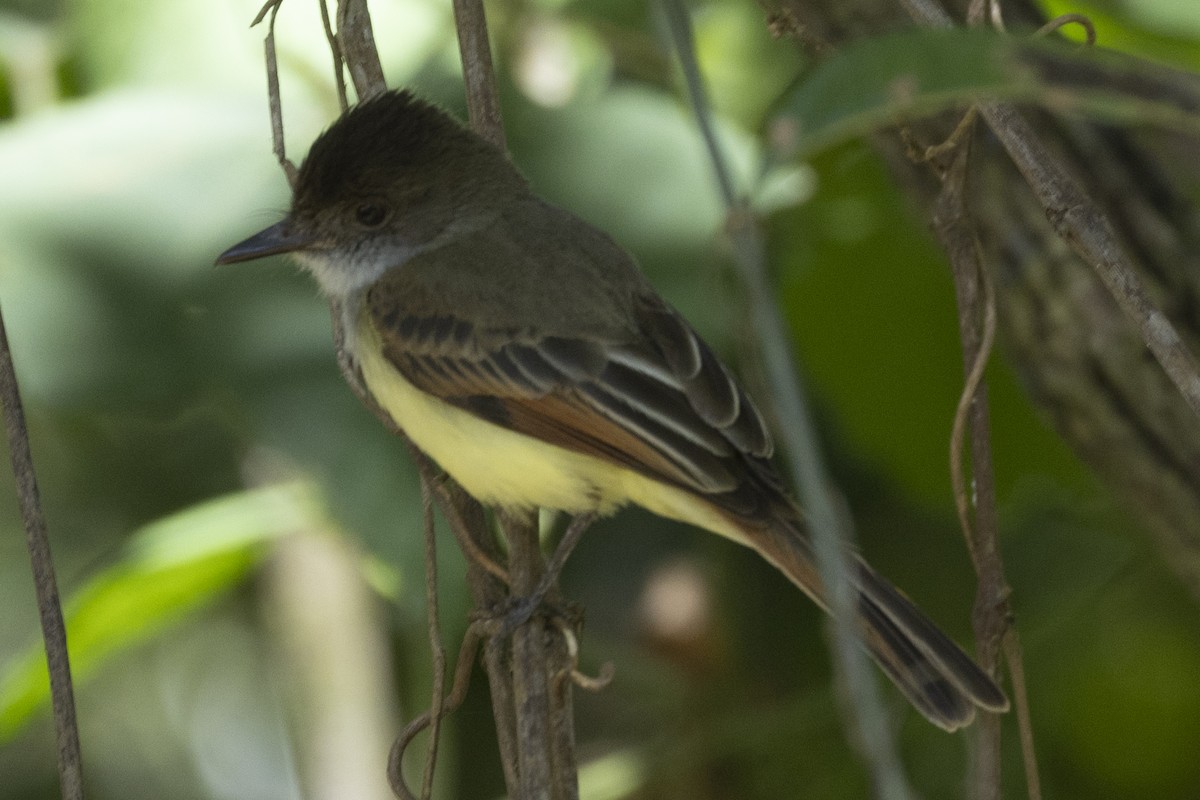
[(1062, 21)]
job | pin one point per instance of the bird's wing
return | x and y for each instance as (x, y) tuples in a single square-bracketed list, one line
[(658, 401)]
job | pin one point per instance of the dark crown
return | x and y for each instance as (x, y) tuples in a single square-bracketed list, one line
[(385, 138)]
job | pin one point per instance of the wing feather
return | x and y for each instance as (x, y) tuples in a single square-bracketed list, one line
[(655, 400)]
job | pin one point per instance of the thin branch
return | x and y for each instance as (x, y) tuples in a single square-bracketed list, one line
[(458, 693), (467, 519), (1080, 221), (497, 664), (436, 648), (335, 50), (54, 631), (977, 324), (277, 142), (357, 40), (978, 338), (1088, 231), (466, 536), (465, 515), (1016, 668), (561, 664), (585, 682), (831, 529), (483, 100), (1063, 20)]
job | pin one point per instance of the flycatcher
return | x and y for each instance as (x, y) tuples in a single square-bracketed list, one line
[(527, 354)]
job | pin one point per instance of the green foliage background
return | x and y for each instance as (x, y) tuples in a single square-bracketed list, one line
[(134, 146)]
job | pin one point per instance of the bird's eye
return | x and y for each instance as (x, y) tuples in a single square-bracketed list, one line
[(370, 215)]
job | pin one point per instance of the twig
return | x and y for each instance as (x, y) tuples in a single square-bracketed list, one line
[(497, 664), (1016, 668), (579, 526), (469, 523), (335, 50), (464, 513), (463, 531), (54, 631), (1063, 20), (978, 335), (483, 100), (357, 40), (436, 648), (976, 321), (585, 682), (273, 103), (831, 530), (458, 692), (562, 660), (1087, 230)]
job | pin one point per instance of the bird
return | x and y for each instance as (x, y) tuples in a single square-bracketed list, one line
[(525, 352)]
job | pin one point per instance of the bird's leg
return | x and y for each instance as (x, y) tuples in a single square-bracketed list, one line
[(523, 608)]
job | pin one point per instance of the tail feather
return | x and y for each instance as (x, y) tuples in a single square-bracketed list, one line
[(933, 672), (936, 647), (937, 698)]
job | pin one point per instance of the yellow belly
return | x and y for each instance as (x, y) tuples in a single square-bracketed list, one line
[(503, 468)]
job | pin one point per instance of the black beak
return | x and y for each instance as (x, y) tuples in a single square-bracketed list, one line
[(269, 242)]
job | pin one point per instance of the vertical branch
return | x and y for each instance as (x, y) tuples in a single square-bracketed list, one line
[(483, 100), (273, 103), (436, 648), (831, 529), (335, 50), (529, 658), (357, 39), (975, 312), (992, 616), (469, 523), (54, 632)]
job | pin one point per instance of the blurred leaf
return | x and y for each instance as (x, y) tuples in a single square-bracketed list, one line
[(171, 567), (612, 776), (882, 81), (745, 69)]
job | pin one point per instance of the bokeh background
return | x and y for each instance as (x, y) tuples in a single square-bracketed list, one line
[(240, 541)]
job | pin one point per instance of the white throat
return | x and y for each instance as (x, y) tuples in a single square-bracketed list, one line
[(342, 274)]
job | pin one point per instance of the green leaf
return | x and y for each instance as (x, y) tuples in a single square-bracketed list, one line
[(890, 79), (171, 567)]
